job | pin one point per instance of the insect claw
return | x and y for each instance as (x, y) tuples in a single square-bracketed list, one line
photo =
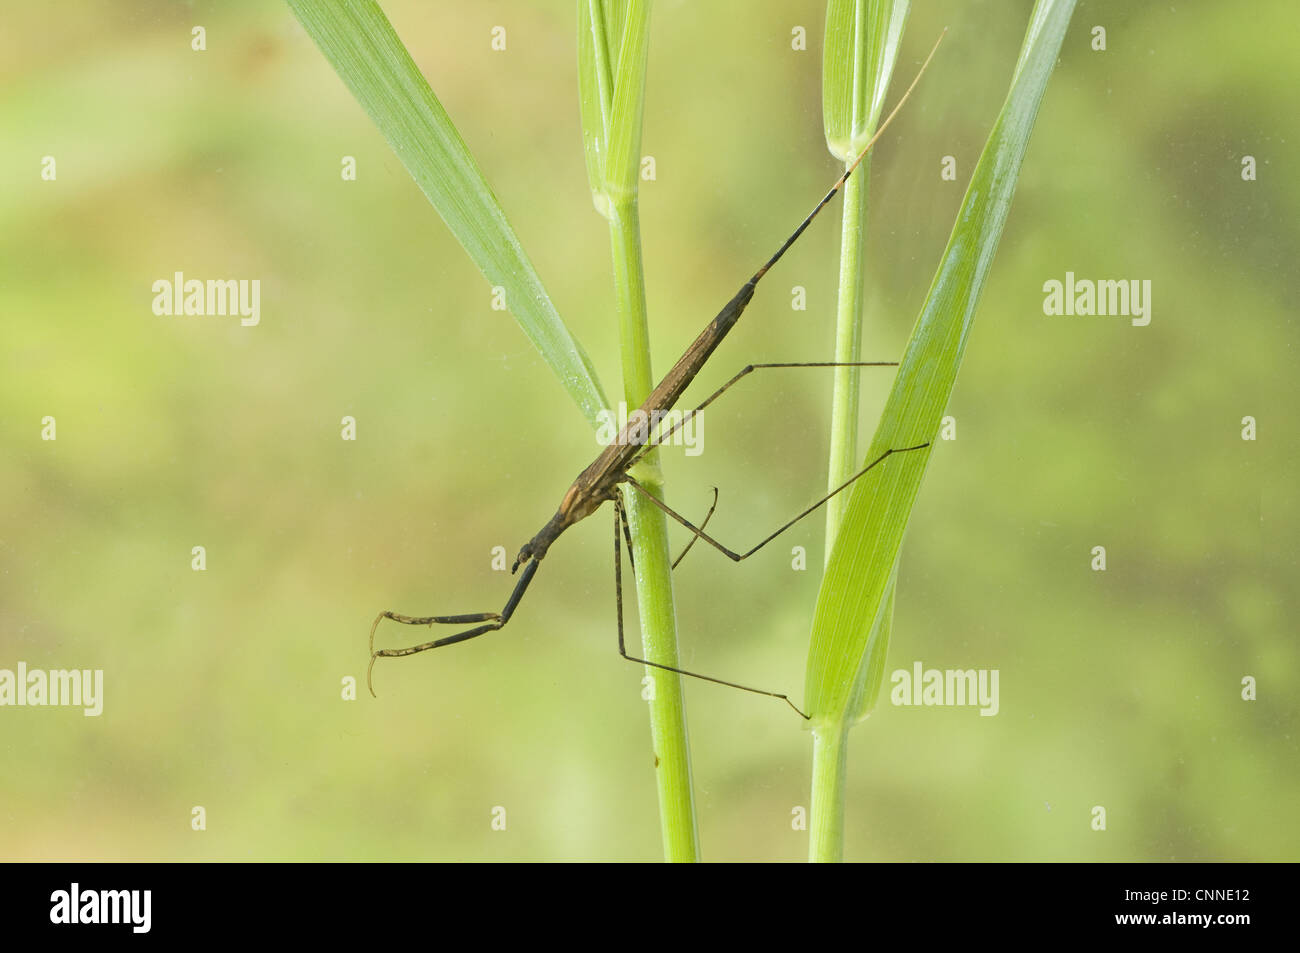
[(386, 614), (525, 554)]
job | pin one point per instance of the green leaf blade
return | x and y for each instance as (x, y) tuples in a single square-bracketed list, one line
[(857, 579), (359, 42)]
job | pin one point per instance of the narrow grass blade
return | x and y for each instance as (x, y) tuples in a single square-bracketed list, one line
[(857, 579), (612, 46), (598, 21), (862, 41), (366, 53)]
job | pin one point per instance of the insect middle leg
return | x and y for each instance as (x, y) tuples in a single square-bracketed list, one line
[(698, 531), (736, 556), (619, 518), (691, 542), (627, 533)]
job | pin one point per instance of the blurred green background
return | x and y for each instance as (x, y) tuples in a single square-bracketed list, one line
[(223, 687)]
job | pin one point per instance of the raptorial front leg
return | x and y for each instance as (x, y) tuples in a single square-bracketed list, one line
[(491, 622)]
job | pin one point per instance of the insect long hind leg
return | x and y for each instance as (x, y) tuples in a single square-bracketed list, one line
[(737, 557), (622, 644), (491, 622), (659, 438)]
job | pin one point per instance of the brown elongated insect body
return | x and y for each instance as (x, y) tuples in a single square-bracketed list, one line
[(599, 481)]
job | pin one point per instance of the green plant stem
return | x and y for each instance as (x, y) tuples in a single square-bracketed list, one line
[(848, 347), (826, 823), (654, 584)]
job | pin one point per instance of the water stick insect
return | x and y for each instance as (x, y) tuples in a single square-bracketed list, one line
[(599, 482)]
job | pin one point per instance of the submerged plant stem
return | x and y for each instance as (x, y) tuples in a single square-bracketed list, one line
[(848, 348), (826, 823), (654, 585)]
